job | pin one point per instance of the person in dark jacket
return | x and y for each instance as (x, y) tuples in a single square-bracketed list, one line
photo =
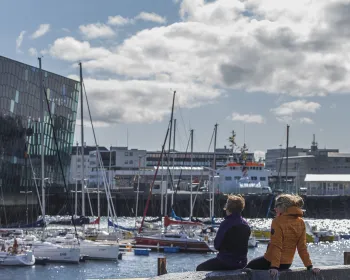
[(231, 239)]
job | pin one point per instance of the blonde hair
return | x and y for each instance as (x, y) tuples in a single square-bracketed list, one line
[(235, 204), (285, 201)]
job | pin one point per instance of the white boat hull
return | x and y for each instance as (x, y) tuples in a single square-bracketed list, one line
[(58, 254), (89, 249), (99, 251), (24, 259)]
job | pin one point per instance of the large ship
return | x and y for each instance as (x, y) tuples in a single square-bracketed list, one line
[(240, 176)]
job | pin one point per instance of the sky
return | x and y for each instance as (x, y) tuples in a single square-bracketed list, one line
[(252, 66)]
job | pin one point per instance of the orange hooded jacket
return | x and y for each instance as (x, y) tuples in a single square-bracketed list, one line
[(288, 233)]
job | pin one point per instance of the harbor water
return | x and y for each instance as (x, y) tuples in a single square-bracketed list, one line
[(322, 254)]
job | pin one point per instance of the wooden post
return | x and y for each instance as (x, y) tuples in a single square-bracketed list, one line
[(162, 266), (346, 258)]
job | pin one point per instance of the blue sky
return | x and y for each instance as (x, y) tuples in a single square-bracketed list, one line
[(250, 66)]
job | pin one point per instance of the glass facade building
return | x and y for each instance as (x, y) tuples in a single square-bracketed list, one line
[(20, 125)]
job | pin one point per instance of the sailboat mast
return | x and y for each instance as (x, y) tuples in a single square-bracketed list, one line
[(82, 142), (161, 190), (76, 184), (42, 139), (174, 141), (287, 145), (98, 188), (138, 190), (191, 183), (168, 157), (214, 167)]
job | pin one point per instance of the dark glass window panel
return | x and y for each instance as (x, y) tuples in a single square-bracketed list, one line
[(19, 92)]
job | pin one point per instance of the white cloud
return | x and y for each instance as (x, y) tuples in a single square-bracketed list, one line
[(96, 30), (131, 101), (306, 120), (44, 52), (247, 118), (151, 17), (285, 119), (297, 48), (71, 49), (19, 41), (41, 31), (298, 106), (119, 20), (33, 52)]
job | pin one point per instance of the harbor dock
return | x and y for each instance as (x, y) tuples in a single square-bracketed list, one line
[(340, 272)]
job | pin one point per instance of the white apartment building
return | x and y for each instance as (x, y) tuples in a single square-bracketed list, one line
[(118, 161), (76, 166)]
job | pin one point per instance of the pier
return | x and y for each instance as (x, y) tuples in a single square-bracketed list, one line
[(13, 208), (340, 272)]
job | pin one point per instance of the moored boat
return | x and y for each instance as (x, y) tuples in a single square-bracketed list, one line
[(90, 249), (180, 240), (22, 259)]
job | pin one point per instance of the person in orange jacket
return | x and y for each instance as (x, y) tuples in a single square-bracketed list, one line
[(288, 234)]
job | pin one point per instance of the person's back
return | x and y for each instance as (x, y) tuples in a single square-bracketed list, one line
[(289, 234), (231, 239), (234, 246)]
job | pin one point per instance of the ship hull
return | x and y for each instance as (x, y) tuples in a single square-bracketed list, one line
[(185, 246)]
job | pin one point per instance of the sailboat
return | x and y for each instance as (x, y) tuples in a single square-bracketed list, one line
[(93, 250), (11, 256), (49, 251), (185, 242), (23, 259)]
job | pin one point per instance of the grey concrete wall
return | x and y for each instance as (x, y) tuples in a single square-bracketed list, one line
[(19, 199), (340, 272)]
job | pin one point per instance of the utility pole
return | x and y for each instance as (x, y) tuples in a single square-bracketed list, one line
[(287, 157), (82, 142)]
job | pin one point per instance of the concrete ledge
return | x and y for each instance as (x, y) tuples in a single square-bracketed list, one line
[(340, 272)]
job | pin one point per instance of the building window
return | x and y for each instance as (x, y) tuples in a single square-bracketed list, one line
[(131, 154), (131, 161), (126, 162), (262, 178), (17, 96), (254, 178), (237, 177), (12, 108), (126, 154), (228, 178)]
